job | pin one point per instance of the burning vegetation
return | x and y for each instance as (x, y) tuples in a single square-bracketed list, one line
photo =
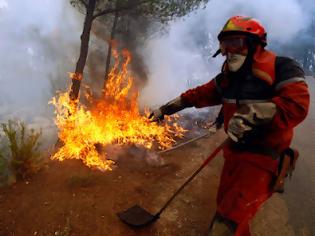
[(113, 119)]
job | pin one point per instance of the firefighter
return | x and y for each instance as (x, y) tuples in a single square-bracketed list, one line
[(263, 97)]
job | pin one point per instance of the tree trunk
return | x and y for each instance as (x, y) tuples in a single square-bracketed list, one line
[(85, 38), (109, 51)]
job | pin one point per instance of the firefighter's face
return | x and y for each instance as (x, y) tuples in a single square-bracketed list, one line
[(235, 61), (235, 49)]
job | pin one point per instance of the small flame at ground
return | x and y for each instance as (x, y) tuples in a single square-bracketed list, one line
[(115, 119)]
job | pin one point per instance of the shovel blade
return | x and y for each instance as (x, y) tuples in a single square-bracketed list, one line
[(136, 216)]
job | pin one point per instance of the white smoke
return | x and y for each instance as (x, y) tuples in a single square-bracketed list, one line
[(176, 58), (38, 43)]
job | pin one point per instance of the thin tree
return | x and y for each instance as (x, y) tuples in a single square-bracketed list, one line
[(110, 44), (163, 9), (92, 10)]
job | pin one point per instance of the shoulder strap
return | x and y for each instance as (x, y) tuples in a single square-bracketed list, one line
[(264, 65)]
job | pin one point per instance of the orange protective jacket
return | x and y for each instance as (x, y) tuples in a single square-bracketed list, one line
[(276, 79)]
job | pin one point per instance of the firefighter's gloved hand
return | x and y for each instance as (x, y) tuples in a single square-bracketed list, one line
[(237, 128), (156, 115), (249, 118), (169, 108)]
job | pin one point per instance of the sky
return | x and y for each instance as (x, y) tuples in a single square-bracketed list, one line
[(40, 42)]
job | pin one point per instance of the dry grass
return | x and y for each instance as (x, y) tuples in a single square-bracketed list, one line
[(4, 170), (20, 146)]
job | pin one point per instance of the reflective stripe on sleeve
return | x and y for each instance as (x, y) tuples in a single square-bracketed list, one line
[(245, 101), (289, 81)]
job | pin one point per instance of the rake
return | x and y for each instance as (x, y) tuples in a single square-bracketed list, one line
[(137, 216)]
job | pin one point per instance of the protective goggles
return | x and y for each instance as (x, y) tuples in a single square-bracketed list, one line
[(233, 44)]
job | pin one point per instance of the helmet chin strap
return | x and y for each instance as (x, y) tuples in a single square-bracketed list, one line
[(235, 61)]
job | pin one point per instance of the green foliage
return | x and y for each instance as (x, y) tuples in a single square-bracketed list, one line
[(166, 10), (162, 10), (4, 175), (3, 163), (21, 145)]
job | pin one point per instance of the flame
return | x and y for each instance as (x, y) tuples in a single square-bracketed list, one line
[(115, 119)]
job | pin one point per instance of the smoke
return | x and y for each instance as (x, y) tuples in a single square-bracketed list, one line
[(182, 59), (39, 44), (130, 31)]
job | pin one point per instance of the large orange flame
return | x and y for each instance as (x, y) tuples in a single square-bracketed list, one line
[(115, 119)]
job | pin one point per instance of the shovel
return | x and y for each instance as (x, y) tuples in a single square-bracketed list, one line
[(136, 216)]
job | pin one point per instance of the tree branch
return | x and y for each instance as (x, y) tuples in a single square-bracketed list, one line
[(112, 10), (84, 3)]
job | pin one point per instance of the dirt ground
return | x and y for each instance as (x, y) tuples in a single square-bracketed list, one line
[(70, 199)]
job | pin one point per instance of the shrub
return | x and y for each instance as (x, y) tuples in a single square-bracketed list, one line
[(4, 171), (22, 147)]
